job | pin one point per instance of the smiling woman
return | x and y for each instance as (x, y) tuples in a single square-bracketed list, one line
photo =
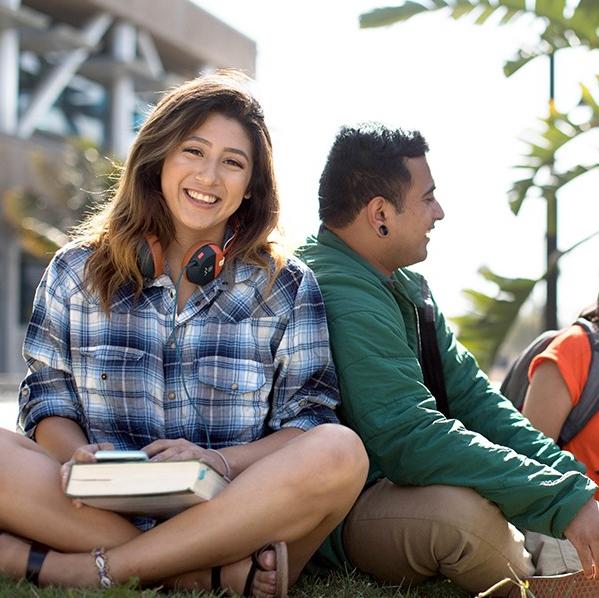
[(173, 325), (204, 180)]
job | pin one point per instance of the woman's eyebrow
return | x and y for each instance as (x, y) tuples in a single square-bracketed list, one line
[(233, 150)]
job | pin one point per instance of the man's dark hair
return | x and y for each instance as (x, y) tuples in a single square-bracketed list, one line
[(365, 161)]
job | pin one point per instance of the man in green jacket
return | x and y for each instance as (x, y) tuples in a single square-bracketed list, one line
[(448, 485)]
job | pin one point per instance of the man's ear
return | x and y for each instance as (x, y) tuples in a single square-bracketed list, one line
[(376, 210)]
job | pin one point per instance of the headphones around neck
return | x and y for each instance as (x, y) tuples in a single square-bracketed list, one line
[(202, 263)]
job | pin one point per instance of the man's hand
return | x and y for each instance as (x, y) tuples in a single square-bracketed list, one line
[(583, 532)]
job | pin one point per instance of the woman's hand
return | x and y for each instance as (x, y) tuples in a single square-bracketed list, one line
[(183, 450), (174, 450), (82, 454)]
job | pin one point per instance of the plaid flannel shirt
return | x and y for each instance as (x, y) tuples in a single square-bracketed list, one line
[(238, 362)]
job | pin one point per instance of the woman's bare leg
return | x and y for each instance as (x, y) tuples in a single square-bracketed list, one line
[(33, 505), (297, 494)]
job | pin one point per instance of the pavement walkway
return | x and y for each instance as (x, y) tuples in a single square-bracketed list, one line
[(8, 401)]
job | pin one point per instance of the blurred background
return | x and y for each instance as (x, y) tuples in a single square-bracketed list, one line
[(507, 99)]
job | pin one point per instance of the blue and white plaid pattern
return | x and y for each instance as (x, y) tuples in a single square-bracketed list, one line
[(252, 362)]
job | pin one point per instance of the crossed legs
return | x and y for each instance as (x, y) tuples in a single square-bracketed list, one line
[(297, 494), (411, 533)]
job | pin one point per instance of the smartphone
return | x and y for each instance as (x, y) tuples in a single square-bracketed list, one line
[(121, 456)]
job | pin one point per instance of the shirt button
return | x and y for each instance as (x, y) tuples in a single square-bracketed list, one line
[(171, 396), (172, 293), (173, 345), (234, 386), (303, 403), (25, 392), (104, 375)]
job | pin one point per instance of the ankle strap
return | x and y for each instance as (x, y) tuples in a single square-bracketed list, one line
[(37, 554)]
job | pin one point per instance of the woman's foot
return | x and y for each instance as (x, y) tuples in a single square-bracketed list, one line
[(264, 568), (269, 578), (43, 566)]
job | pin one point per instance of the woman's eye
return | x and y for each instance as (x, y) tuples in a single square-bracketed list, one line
[(233, 162), (194, 151)]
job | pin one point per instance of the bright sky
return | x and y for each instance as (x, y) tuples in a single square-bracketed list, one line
[(317, 70)]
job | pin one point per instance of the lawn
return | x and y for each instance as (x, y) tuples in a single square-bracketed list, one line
[(335, 586)]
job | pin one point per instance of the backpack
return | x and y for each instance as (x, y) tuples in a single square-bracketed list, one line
[(515, 384)]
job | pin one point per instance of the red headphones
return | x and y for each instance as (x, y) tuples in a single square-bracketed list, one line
[(202, 263)]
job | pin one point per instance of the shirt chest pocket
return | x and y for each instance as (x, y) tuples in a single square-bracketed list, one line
[(230, 376), (114, 371)]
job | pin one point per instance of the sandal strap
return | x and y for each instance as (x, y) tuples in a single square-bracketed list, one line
[(249, 580), (37, 555), (255, 566), (215, 578)]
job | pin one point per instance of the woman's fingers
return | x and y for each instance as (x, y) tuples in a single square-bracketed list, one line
[(65, 470), (173, 450), (85, 453)]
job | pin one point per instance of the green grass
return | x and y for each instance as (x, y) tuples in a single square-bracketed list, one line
[(337, 585)]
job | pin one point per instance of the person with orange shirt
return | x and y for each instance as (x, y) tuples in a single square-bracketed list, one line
[(558, 376)]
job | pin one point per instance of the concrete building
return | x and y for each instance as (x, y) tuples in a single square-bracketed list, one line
[(87, 68)]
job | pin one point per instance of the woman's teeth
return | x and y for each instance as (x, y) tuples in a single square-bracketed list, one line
[(201, 196)]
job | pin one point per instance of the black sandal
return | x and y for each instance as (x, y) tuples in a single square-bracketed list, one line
[(215, 579), (37, 555)]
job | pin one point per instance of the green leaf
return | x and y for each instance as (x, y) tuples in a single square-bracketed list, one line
[(562, 179), (554, 9), (461, 8), (518, 192), (588, 99), (485, 14), (521, 59), (381, 17), (485, 327), (509, 16)]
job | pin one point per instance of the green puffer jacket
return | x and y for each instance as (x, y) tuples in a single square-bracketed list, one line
[(486, 444)]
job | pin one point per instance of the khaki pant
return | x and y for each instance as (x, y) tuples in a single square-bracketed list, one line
[(407, 534)]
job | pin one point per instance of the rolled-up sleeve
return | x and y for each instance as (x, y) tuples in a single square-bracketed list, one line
[(48, 388), (305, 391)]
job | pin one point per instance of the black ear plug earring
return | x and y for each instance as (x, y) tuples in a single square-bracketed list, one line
[(383, 230)]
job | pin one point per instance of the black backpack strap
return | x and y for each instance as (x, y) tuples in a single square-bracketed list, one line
[(515, 383), (588, 403), (430, 357)]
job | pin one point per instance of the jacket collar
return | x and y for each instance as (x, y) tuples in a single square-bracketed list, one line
[(404, 281)]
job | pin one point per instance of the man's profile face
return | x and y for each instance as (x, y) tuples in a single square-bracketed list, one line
[(410, 228)]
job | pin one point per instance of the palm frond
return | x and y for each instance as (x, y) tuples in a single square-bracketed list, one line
[(483, 330), (562, 28)]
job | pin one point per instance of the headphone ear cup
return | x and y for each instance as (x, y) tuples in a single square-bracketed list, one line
[(203, 263), (149, 257)]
